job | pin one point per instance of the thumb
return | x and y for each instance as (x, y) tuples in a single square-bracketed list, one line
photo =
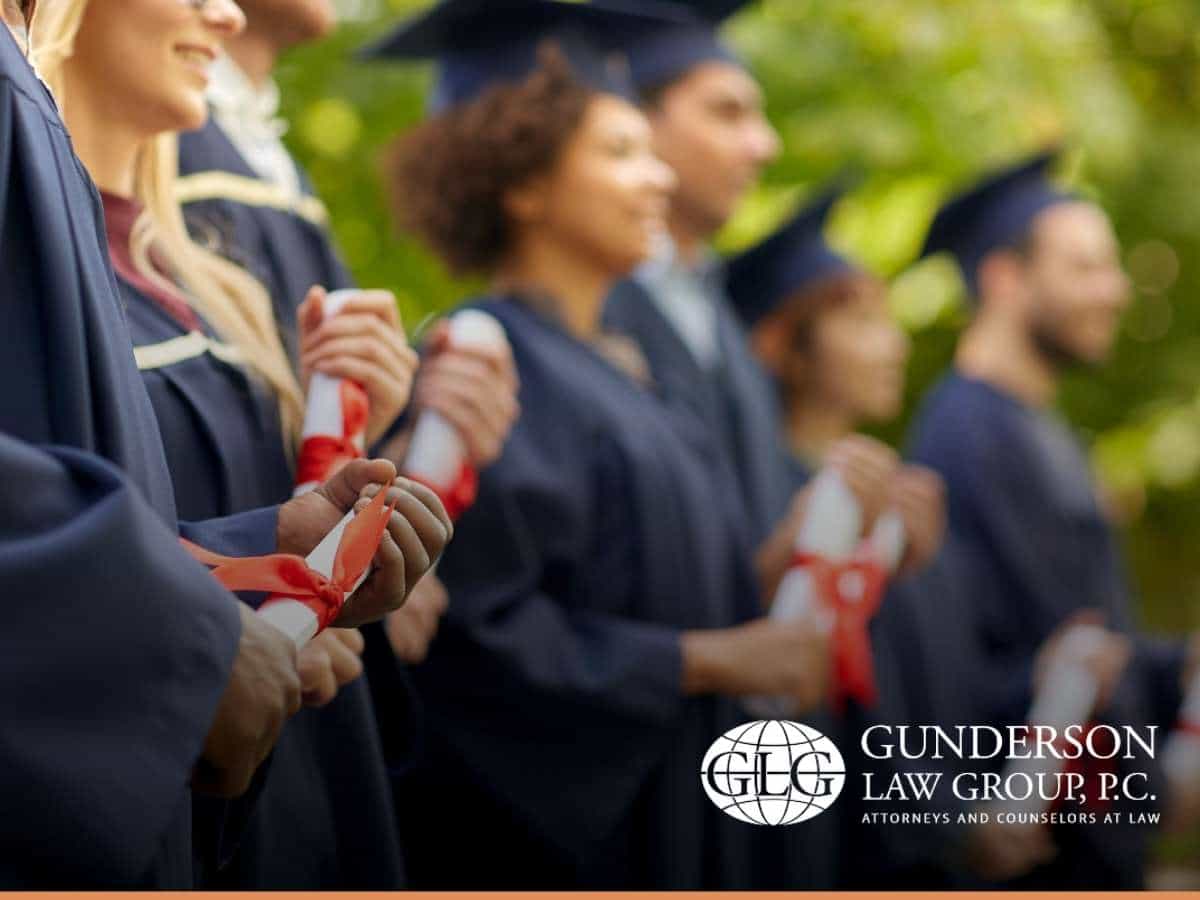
[(312, 310), (438, 337), (343, 488)]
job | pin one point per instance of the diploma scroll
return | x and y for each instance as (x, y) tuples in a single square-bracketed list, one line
[(1181, 756), (306, 594), (294, 617), (1067, 697), (830, 529), (437, 456), (335, 418)]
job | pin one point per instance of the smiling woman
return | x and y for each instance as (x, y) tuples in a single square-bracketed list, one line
[(129, 75)]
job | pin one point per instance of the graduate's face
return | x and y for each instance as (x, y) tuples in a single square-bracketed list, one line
[(1078, 289), (709, 126), (607, 196), (290, 22), (853, 357), (148, 61)]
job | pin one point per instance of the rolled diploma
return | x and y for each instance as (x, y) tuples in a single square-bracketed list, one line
[(292, 617), (1181, 757), (437, 452), (1067, 697), (830, 529), (323, 409)]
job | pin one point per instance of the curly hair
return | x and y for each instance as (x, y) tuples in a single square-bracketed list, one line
[(450, 174)]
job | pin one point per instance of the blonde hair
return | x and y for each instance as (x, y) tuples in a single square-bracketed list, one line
[(232, 300)]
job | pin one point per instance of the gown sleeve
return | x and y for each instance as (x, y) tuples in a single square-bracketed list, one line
[(114, 654), (506, 569)]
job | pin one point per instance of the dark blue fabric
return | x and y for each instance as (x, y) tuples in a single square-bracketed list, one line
[(116, 646), (658, 56), (790, 260), (286, 252), (562, 751), (324, 817), (738, 401), (1035, 548), (289, 254), (997, 212), (481, 43)]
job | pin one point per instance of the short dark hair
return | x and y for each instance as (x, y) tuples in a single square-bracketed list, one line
[(449, 175)]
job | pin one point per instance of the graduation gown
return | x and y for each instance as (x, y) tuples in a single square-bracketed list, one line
[(283, 241), (116, 646), (737, 400), (324, 817), (1036, 548), (561, 750)]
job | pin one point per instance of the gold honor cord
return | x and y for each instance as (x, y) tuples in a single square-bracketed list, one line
[(251, 192), (182, 348)]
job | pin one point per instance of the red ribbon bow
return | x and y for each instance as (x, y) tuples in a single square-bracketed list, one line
[(853, 590), (289, 577), (459, 496), (323, 454)]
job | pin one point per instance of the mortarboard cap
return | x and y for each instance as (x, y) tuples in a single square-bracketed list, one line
[(659, 55), (478, 43), (792, 258), (994, 213)]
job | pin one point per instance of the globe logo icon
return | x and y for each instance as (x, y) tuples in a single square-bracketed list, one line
[(773, 772)]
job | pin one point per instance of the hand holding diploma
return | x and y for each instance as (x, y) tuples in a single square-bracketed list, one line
[(357, 336), (1074, 675), (328, 663), (918, 495), (467, 398), (868, 469), (263, 692), (471, 383), (412, 628), (417, 532), (1181, 756)]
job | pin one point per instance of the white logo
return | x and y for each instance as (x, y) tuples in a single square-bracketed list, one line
[(773, 772)]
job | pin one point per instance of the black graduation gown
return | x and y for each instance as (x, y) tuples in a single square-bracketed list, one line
[(561, 752), (737, 401), (324, 818), (1036, 548), (287, 247), (116, 646)]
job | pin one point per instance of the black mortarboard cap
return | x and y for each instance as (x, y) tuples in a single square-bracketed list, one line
[(792, 258), (995, 213), (657, 56), (478, 43)]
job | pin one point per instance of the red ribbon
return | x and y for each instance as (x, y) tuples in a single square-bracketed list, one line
[(289, 577), (853, 663), (1187, 726), (323, 454), (460, 495)]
